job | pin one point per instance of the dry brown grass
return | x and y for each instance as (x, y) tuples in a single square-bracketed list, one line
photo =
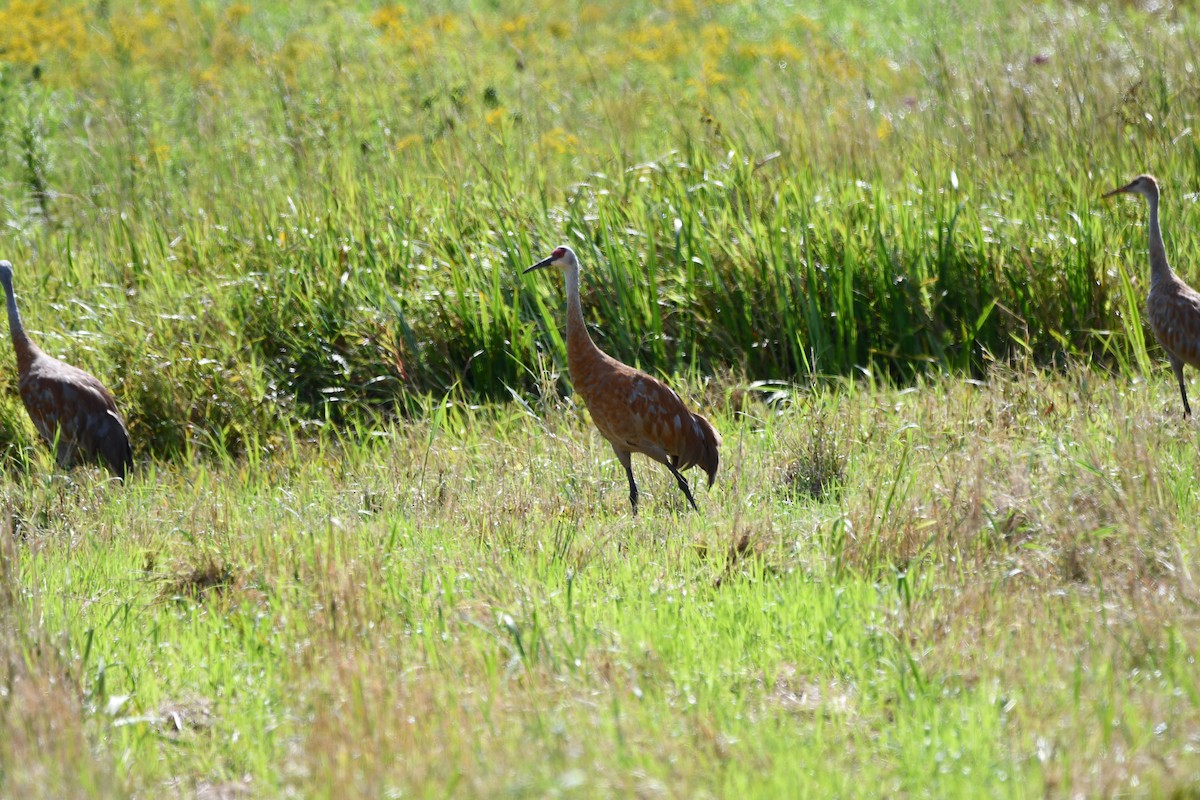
[(46, 747)]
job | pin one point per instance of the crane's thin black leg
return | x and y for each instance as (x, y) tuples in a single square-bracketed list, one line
[(633, 492), (625, 460), (64, 455), (1178, 367), (683, 484)]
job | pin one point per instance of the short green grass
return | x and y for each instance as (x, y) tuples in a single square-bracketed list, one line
[(999, 601), (374, 548)]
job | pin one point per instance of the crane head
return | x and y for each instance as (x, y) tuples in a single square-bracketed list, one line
[(561, 257), (5, 271), (1145, 185)]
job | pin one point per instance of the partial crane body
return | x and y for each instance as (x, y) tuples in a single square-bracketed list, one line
[(1172, 307), (635, 412), (71, 409)]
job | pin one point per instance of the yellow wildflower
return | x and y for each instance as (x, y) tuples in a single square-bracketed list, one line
[(389, 17), (406, 142), (31, 29), (517, 24), (683, 8), (558, 140), (884, 130), (714, 40)]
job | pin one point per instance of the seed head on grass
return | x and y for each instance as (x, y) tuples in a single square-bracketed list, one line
[(818, 466), (195, 580)]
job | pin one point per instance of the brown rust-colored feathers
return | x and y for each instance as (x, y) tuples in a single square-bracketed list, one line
[(639, 413)]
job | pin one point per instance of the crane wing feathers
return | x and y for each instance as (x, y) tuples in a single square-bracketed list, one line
[(72, 409), (640, 414), (1175, 319)]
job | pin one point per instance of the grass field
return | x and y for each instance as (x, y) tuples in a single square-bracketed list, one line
[(373, 547)]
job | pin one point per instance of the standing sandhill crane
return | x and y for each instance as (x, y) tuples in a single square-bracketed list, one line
[(72, 410), (635, 412), (1173, 307)]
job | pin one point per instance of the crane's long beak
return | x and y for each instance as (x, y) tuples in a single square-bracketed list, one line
[(545, 262), (1119, 190)]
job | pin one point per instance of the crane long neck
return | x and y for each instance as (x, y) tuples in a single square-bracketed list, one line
[(1160, 268), (580, 346), (21, 344)]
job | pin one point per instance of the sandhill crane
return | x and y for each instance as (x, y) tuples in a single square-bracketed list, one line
[(1172, 307), (70, 408), (635, 412)]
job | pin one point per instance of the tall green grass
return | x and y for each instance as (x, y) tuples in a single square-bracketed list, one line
[(319, 221)]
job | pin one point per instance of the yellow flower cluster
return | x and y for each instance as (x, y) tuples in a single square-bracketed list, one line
[(390, 20), (160, 36), (32, 29), (657, 43), (557, 140), (517, 24), (417, 38)]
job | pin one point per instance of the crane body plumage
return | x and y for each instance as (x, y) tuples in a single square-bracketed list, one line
[(1172, 307), (635, 412), (71, 409)]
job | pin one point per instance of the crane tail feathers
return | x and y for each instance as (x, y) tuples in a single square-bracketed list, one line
[(115, 449)]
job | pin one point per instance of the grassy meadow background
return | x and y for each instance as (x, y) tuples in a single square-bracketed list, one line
[(374, 548)]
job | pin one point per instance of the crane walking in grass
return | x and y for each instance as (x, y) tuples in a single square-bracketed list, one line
[(635, 412), (1173, 307), (70, 408)]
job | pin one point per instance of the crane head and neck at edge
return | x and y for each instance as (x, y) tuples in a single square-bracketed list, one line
[(579, 340), (23, 347), (14, 317), (1147, 187)]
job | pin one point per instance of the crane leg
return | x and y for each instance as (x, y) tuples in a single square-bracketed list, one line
[(1177, 365), (624, 458), (64, 455), (683, 484)]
